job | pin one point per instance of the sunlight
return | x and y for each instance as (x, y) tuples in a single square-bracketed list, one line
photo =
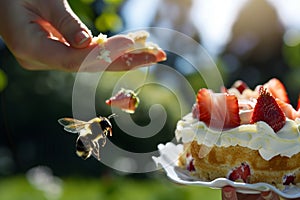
[(214, 18), (138, 13), (288, 12)]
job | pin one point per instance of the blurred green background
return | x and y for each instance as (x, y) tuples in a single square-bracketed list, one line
[(253, 40)]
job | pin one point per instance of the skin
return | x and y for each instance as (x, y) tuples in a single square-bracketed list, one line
[(229, 193), (47, 35)]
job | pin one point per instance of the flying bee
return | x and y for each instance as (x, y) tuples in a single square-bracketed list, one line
[(90, 134)]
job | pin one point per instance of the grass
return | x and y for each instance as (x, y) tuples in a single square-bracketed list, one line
[(108, 188)]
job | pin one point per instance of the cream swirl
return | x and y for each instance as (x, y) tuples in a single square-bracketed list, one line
[(259, 136)]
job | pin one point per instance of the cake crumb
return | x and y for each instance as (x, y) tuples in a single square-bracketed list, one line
[(128, 59), (104, 55), (100, 39)]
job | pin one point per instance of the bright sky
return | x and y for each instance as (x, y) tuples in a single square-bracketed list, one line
[(214, 18)]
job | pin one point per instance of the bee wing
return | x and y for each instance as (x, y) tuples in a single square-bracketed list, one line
[(72, 125), (68, 121)]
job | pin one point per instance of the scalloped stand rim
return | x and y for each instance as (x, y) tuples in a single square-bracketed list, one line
[(166, 160)]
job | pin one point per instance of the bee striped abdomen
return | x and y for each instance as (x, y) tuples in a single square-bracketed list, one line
[(83, 147)]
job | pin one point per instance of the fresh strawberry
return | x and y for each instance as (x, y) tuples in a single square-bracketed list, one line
[(126, 100), (277, 89), (267, 110), (191, 166), (240, 173), (190, 163), (218, 110), (289, 179), (240, 86)]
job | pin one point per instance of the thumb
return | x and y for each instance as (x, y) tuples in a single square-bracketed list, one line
[(68, 24)]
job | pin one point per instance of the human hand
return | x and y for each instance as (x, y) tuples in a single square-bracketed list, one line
[(229, 193), (45, 35)]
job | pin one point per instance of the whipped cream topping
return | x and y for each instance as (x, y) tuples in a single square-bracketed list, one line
[(258, 136)]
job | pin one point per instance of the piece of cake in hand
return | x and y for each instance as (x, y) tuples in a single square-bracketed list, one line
[(244, 135)]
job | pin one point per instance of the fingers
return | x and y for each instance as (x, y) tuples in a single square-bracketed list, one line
[(50, 30), (42, 50), (45, 35), (159, 54), (228, 193), (130, 61), (44, 53), (124, 62), (269, 195), (137, 58), (117, 45), (62, 17), (117, 55)]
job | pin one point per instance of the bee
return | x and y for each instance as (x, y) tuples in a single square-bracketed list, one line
[(91, 134)]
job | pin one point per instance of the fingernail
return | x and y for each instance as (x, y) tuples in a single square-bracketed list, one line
[(81, 37)]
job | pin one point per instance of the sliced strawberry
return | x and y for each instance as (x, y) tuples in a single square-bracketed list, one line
[(126, 100), (240, 173), (223, 89), (218, 110), (240, 86), (277, 89), (288, 109), (267, 110), (204, 105)]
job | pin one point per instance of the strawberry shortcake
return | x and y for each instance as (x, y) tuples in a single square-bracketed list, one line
[(243, 135)]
